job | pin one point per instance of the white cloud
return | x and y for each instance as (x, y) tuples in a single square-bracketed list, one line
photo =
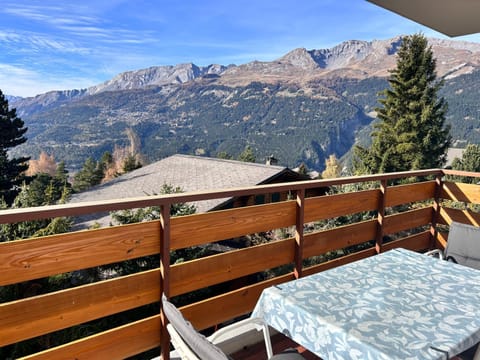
[(25, 42), (6, 69), (21, 82), (75, 21), (53, 15)]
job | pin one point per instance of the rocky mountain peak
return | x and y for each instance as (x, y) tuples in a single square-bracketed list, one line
[(325, 97), (51, 98), (343, 55), (301, 58), (156, 76), (346, 55), (352, 58)]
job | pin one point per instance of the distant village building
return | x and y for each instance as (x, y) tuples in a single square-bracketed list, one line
[(191, 173)]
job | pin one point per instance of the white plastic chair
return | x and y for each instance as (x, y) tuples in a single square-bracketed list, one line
[(191, 345), (463, 245)]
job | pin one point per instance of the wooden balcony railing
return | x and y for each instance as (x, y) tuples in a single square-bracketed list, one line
[(408, 215)]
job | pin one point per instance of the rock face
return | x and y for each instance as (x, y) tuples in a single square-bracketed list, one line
[(155, 76), (353, 58), (344, 55), (26, 106), (379, 56), (301, 58), (130, 80), (301, 107)]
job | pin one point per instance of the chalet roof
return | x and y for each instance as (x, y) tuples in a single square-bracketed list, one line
[(190, 173)]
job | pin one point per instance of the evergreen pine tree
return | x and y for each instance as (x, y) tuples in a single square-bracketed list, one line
[(470, 161), (90, 175), (411, 133), (61, 173), (247, 155), (12, 171), (130, 163), (224, 155)]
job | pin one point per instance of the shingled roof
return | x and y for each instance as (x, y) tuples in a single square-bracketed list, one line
[(190, 173)]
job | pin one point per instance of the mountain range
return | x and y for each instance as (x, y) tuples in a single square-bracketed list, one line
[(301, 107)]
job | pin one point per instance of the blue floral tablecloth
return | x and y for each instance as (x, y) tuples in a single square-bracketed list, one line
[(395, 305)]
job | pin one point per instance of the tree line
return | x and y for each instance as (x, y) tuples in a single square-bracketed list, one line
[(410, 134)]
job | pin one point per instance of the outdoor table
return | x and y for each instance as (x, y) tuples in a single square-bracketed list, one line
[(396, 305)]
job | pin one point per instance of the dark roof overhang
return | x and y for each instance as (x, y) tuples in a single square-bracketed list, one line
[(450, 17)]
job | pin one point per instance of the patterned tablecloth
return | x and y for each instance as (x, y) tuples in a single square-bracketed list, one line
[(396, 305)]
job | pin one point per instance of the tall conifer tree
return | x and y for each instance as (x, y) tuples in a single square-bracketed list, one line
[(12, 171), (411, 133)]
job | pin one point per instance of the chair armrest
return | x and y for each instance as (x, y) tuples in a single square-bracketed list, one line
[(435, 253), (180, 346), (240, 327)]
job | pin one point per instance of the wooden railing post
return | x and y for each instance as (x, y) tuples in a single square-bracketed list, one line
[(436, 210), (380, 216), (164, 276), (300, 216)]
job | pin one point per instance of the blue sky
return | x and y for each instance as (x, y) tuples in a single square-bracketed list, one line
[(56, 45)]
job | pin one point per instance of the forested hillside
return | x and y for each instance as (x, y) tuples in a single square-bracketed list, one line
[(203, 119), (297, 108)]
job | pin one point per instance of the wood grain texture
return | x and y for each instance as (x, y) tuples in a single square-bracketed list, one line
[(198, 229), (40, 257), (200, 273), (461, 192), (230, 305), (35, 258), (339, 261), (320, 242), (330, 206), (408, 220), (417, 242), (118, 343), (404, 194), (447, 215), (31, 317)]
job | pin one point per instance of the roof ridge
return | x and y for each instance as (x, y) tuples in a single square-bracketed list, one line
[(238, 162)]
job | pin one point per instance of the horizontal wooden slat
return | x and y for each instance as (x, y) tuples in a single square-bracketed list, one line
[(242, 301), (461, 173), (408, 220), (417, 242), (27, 318), (339, 261), (461, 192), (198, 229), (36, 258), (200, 273), (230, 305), (338, 238), (70, 209), (117, 343), (40, 257), (330, 206), (404, 194), (447, 215)]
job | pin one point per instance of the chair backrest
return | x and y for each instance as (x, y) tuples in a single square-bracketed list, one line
[(463, 245), (196, 342)]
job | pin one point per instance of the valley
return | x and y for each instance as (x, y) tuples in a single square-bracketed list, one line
[(300, 108)]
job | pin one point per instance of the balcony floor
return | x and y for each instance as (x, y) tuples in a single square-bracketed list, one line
[(279, 343)]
